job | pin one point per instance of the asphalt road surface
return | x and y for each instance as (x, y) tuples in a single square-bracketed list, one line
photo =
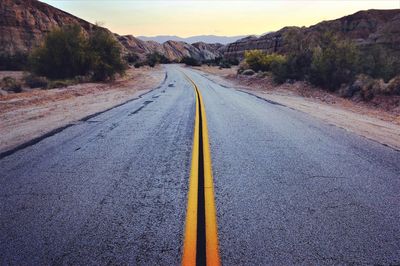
[(113, 189)]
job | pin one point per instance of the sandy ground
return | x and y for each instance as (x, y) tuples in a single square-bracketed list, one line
[(364, 119), (28, 115)]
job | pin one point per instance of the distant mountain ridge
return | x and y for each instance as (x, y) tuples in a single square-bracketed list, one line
[(173, 50), (193, 39)]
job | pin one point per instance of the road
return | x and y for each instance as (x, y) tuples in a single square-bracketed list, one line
[(113, 189)]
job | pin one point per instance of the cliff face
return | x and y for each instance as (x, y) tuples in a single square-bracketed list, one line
[(24, 23), (365, 28)]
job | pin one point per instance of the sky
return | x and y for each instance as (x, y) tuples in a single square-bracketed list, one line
[(217, 17)]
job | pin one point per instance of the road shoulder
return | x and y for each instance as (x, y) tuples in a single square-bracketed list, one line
[(29, 115)]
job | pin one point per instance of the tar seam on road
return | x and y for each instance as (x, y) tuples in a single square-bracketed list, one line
[(201, 234)]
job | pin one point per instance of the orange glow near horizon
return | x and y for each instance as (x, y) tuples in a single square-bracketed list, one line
[(228, 18)]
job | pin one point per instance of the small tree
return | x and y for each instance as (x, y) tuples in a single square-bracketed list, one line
[(131, 58), (190, 61), (378, 61), (260, 61), (334, 62), (156, 58), (62, 54), (255, 60), (105, 55)]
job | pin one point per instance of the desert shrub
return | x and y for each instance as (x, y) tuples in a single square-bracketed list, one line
[(334, 62), (281, 71), (67, 52), (131, 58), (242, 67), (105, 55), (17, 61), (63, 54), (224, 64), (213, 62), (298, 65), (260, 61), (227, 62), (233, 61), (366, 86), (82, 79), (138, 64), (190, 61), (11, 84), (155, 58), (33, 81), (255, 59), (394, 85), (152, 60), (54, 84), (379, 62)]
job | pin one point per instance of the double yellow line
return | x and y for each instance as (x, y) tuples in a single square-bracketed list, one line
[(201, 232)]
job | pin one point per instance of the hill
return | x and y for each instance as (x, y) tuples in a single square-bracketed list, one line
[(193, 39), (23, 25), (366, 28)]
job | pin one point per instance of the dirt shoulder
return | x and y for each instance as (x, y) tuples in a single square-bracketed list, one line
[(371, 120), (27, 115)]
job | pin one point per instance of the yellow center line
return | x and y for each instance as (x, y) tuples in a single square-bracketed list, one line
[(211, 229)]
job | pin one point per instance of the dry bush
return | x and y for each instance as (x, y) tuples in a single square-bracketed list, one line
[(33, 81), (365, 87), (394, 85), (11, 84)]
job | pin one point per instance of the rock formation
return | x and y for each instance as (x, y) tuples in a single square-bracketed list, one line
[(24, 23), (365, 28), (173, 50)]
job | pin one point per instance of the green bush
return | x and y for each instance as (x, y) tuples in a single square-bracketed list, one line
[(224, 64), (257, 60), (213, 62), (105, 55), (190, 61), (63, 54), (156, 58), (66, 52), (327, 61), (334, 62), (131, 58), (281, 71), (379, 62)]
